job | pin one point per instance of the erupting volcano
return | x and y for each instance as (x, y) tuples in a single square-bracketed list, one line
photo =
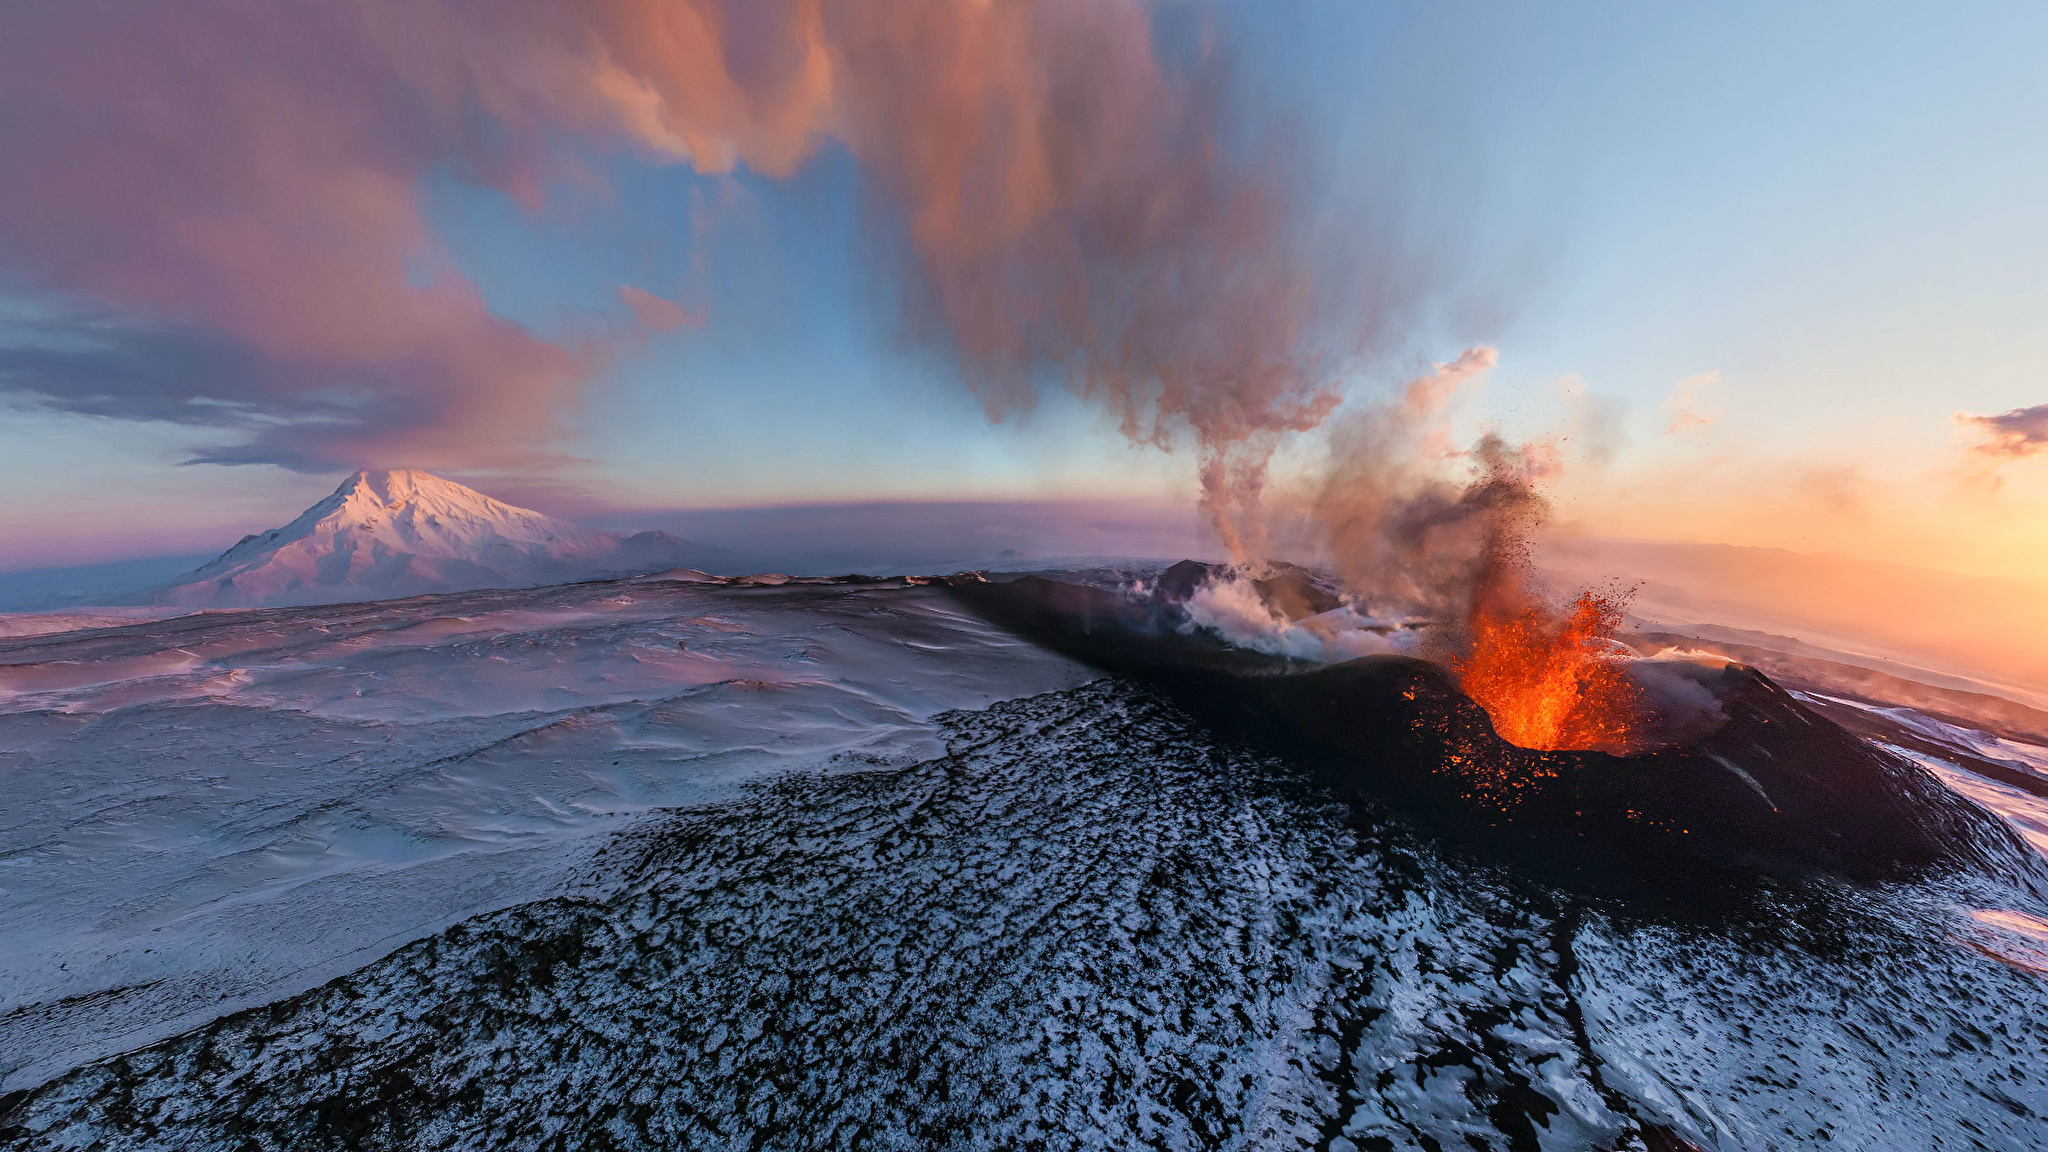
[(1528, 732), (1549, 677), (1550, 680), (1381, 752)]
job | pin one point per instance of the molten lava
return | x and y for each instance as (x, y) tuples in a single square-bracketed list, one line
[(1549, 679)]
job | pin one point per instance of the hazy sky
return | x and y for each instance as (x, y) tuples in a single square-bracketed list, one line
[(1747, 261)]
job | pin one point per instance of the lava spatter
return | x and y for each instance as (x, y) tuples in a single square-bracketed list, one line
[(1549, 679)]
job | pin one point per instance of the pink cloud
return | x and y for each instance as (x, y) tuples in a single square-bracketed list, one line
[(250, 170), (2010, 435), (656, 313)]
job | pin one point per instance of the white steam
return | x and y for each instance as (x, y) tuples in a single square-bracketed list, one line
[(1234, 609)]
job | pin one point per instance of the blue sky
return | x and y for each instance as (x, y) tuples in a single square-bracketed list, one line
[(1833, 209)]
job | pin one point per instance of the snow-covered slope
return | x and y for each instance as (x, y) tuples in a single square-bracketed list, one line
[(834, 864), (272, 797), (681, 862), (402, 533)]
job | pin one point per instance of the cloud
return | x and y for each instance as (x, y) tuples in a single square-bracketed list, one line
[(656, 313), (248, 173), (1683, 401), (240, 181), (2010, 435), (101, 367)]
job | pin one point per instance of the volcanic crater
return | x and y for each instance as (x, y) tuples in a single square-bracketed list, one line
[(1756, 789)]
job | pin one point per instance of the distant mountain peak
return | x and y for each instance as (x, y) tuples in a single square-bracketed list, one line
[(402, 532), (381, 490)]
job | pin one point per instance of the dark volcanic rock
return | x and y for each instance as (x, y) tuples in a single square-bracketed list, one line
[(1089, 925), (1775, 792), (1085, 928)]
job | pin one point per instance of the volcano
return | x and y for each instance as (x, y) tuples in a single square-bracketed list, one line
[(385, 534), (1770, 792), (452, 871)]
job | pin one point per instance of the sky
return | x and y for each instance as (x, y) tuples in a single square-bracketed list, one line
[(1764, 274)]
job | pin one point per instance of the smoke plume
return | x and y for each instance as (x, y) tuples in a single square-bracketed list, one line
[(243, 178), (1395, 525), (1411, 537)]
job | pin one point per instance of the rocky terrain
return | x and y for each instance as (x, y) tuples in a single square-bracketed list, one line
[(1075, 920)]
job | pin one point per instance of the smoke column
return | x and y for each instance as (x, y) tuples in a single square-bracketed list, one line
[(1406, 537), (237, 185), (238, 182)]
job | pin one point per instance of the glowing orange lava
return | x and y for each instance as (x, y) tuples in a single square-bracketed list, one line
[(1548, 678)]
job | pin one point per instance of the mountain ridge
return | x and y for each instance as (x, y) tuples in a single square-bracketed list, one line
[(403, 532)]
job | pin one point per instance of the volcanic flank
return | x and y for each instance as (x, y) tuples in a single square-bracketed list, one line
[(385, 534), (1743, 784)]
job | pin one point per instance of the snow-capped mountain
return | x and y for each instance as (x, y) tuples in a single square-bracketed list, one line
[(384, 534)]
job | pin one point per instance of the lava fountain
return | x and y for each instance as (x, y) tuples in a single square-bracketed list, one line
[(1552, 679)]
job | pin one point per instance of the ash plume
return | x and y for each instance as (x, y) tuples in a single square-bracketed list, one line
[(1397, 530), (246, 176), (1408, 537)]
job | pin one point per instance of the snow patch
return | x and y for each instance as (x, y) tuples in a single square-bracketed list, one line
[(223, 805)]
